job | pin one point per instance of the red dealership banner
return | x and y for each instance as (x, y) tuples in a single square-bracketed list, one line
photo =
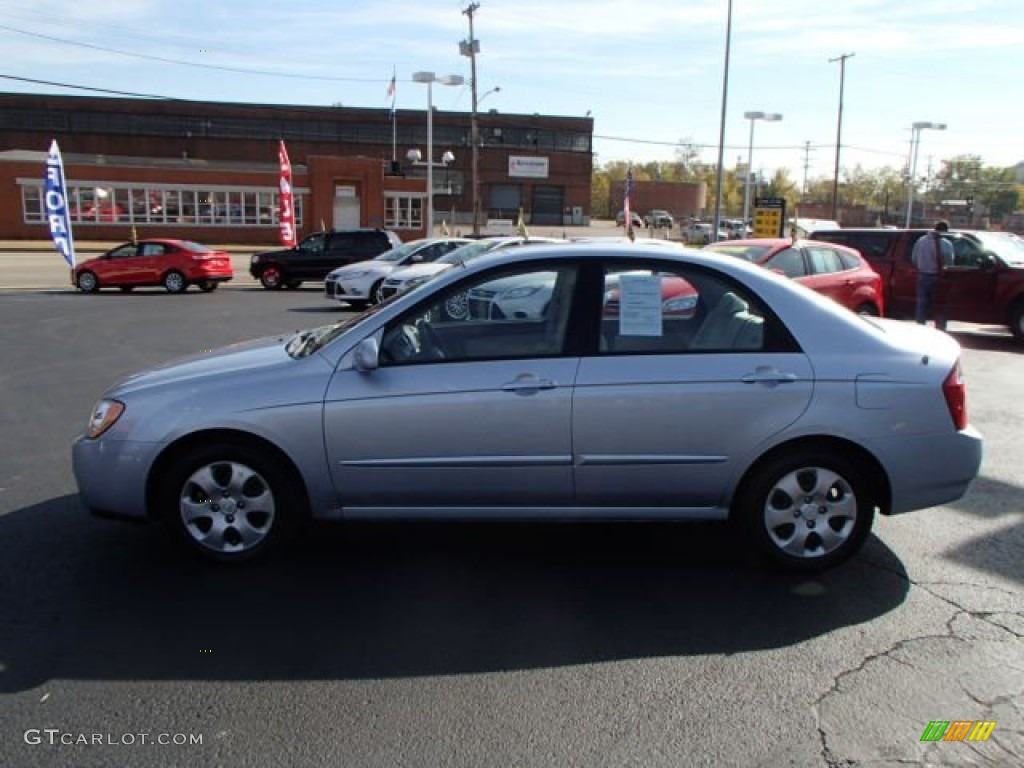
[(285, 200)]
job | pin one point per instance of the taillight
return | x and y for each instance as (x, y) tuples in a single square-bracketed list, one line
[(955, 390)]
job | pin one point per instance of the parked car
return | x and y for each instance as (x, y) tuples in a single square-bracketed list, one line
[(174, 264), (737, 229), (984, 284), (659, 219), (833, 270), (317, 254), (699, 233), (768, 406), (359, 284), (407, 278), (636, 218)]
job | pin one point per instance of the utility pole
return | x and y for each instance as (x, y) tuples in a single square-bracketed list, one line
[(807, 165), (471, 48), (839, 131)]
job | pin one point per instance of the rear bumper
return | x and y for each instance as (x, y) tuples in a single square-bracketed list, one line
[(927, 471)]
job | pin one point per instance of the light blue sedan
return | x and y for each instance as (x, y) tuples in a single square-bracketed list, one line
[(767, 405)]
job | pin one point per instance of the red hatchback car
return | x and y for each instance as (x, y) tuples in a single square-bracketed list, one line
[(174, 264), (840, 273)]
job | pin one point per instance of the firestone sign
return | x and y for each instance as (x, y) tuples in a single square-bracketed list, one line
[(528, 167)]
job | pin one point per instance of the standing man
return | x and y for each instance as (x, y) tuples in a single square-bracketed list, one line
[(931, 255)]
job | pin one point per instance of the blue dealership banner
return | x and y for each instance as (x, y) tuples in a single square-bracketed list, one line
[(55, 202)]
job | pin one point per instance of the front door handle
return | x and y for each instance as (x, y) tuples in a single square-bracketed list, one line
[(769, 376)]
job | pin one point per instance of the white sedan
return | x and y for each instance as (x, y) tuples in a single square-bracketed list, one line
[(359, 284)]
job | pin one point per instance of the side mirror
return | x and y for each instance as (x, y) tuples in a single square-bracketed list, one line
[(987, 261), (417, 258), (367, 355)]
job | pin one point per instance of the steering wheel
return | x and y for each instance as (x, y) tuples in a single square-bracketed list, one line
[(431, 347)]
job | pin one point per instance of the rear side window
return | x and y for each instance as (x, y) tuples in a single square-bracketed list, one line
[(824, 261), (873, 246)]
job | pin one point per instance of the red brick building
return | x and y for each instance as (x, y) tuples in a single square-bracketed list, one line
[(208, 171)]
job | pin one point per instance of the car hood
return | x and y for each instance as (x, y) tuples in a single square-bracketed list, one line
[(249, 356), (419, 270)]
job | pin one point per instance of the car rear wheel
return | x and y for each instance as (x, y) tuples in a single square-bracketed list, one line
[(88, 282), (806, 511), (456, 307), (175, 282), (229, 502), (271, 279), (1017, 320), (208, 285)]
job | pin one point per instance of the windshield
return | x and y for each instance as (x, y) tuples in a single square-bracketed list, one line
[(188, 245), (464, 253), (1007, 247), (399, 252), (752, 253), (305, 343)]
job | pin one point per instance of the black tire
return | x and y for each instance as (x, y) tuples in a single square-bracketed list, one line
[(291, 285), (1017, 320), (87, 282), (375, 297), (175, 282), (214, 522), (271, 278), (867, 308), (208, 285), (833, 493)]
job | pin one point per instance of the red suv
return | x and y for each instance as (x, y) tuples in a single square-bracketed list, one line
[(174, 264), (984, 284), (838, 272)]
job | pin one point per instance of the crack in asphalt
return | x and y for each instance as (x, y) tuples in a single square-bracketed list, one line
[(834, 761)]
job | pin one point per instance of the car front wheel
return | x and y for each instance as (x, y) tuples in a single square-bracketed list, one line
[(229, 502), (806, 511), (271, 278), (88, 282)]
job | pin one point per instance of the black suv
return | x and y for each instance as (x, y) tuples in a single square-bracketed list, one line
[(318, 254)]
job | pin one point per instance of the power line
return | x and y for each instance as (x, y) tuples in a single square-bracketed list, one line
[(180, 62), (88, 88)]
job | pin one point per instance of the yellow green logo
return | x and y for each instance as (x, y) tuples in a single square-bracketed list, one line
[(958, 730)]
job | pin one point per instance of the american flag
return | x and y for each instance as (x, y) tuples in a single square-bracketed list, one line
[(627, 193), (391, 92)]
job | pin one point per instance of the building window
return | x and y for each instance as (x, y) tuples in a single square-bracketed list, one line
[(101, 202), (403, 211)]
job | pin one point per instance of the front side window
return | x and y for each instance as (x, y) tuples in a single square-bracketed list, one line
[(789, 262), (512, 314)]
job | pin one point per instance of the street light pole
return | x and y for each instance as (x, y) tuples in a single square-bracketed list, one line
[(839, 131), (430, 78), (769, 117), (470, 48), (721, 127), (915, 145)]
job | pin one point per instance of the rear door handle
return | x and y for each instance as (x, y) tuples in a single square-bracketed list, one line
[(527, 382)]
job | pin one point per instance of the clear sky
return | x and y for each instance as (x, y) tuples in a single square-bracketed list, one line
[(649, 72)]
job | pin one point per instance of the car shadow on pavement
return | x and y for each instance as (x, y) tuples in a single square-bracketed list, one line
[(995, 339), (99, 600), (995, 551)]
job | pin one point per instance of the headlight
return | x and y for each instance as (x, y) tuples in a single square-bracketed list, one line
[(104, 415), (680, 304), (350, 275), (521, 293), (416, 281)]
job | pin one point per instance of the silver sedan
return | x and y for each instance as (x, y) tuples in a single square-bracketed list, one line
[(767, 405)]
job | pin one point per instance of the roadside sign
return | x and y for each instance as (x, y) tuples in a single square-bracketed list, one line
[(769, 216)]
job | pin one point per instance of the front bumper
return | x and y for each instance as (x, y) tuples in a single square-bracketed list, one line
[(111, 475), (338, 289)]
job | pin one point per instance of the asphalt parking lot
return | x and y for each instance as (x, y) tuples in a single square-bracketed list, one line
[(478, 645)]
